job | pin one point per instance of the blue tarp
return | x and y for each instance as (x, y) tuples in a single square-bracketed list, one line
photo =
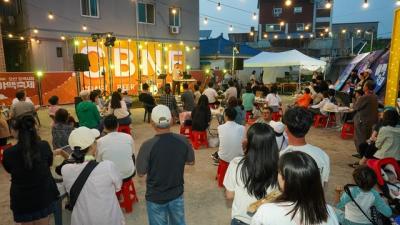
[(221, 47)]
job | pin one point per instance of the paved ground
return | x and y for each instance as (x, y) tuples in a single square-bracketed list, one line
[(204, 201)]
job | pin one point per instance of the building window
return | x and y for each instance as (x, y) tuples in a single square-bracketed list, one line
[(298, 9), (299, 26), (59, 52), (146, 13), (272, 27), (277, 12), (90, 8), (175, 17)]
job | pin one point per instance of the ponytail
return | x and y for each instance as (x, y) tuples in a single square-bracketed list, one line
[(79, 155)]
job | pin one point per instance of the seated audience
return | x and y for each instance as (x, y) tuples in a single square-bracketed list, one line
[(33, 192), (97, 202), (127, 99), (94, 97), (118, 108), (87, 112), (240, 114), (318, 96), (302, 200), (61, 130), (317, 108), (281, 136), (305, 99), (116, 147), (266, 116), (248, 100), (251, 177), (22, 107), (231, 91), (16, 100), (211, 93), (365, 195), (331, 94), (201, 115), (169, 100), (197, 93), (273, 100), (53, 107), (298, 122), (187, 98), (4, 131)]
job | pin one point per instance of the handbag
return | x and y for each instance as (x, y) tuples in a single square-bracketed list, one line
[(79, 183), (376, 217)]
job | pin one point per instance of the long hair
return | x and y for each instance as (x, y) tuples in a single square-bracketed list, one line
[(260, 163), (78, 154), (303, 187), (115, 100), (27, 140), (203, 102)]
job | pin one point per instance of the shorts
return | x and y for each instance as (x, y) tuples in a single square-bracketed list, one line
[(37, 215)]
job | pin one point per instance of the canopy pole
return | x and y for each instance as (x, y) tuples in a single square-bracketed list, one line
[(299, 88)]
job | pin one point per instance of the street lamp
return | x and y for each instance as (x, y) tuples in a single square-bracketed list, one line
[(50, 16), (39, 75), (219, 6)]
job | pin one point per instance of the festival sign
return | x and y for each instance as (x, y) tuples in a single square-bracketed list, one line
[(130, 63), (379, 71), (346, 72)]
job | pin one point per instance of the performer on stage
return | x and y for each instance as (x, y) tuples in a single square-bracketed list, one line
[(176, 76)]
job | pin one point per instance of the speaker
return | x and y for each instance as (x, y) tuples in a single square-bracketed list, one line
[(238, 64), (81, 62)]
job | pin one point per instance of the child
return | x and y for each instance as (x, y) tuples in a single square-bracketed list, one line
[(53, 107), (366, 197)]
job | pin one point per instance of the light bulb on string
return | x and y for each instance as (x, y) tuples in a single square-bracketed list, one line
[(254, 16), (358, 31), (50, 16), (301, 36), (251, 33), (311, 35), (230, 28), (84, 27), (326, 30), (62, 37), (289, 37), (265, 35), (173, 10), (282, 23), (219, 6), (6, 1), (343, 31), (398, 2), (10, 35), (288, 2), (35, 31), (21, 38), (328, 4), (365, 4), (205, 21), (275, 36)]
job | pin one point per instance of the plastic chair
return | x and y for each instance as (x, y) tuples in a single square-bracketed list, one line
[(248, 115), (347, 130), (186, 131), (276, 116), (199, 138), (2, 148), (125, 129), (221, 171), (127, 195), (320, 120)]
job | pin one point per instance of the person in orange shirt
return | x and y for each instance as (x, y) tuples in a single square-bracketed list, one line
[(305, 99)]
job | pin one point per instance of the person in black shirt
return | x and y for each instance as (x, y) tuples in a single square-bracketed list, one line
[(201, 115), (147, 99), (163, 159), (33, 191)]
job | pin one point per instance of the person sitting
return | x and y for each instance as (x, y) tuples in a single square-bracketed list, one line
[(127, 99), (87, 112), (97, 202), (211, 93), (273, 100), (330, 85), (61, 130), (117, 147), (302, 200), (22, 107), (53, 101), (94, 97), (196, 93), (230, 136), (317, 108), (331, 94), (169, 100), (298, 122), (16, 100), (240, 114), (281, 136), (147, 99), (305, 99), (231, 91), (4, 131), (266, 116), (118, 108), (365, 196), (187, 98), (201, 115), (248, 178), (248, 100)]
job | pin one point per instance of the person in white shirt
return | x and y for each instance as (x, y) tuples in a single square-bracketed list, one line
[(316, 109), (253, 176), (281, 136), (27, 99), (298, 122), (211, 93), (273, 100), (97, 202), (231, 91), (302, 200), (117, 107), (117, 147), (230, 136)]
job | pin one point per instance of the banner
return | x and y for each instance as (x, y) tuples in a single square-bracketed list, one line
[(379, 71), (346, 72), (130, 63)]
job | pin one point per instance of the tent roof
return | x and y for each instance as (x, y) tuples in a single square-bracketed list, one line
[(221, 47), (287, 58)]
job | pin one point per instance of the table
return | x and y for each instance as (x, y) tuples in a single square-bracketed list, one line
[(341, 110)]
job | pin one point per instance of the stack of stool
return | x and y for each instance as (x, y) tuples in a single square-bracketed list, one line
[(128, 194), (199, 138), (332, 120), (320, 120)]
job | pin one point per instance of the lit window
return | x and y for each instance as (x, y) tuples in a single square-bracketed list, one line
[(298, 9), (277, 12), (90, 8), (272, 28), (299, 26), (146, 13), (175, 17)]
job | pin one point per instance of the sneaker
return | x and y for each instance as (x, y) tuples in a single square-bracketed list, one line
[(357, 155), (214, 156), (216, 162)]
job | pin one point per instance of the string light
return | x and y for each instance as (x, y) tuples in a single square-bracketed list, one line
[(301, 36), (282, 23), (205, 21), (194, 48), (21, 38), (328, 4), (321, 34), (32, 39), (265, 35), (254, 16), (6, 1), (84, 41), (251, 33), (398, 2), (35, 31), (365, 4), (358, 31), (311, 35), (275, 36), (76, 43), (343, 31), (288, 2), (219, 6), (10, 35), (230, 28), (129, 40), (289, 37), (326, 30), (181, 43), (84, 27), (63, 38), (173, 11), (307, 27), (50, 16)]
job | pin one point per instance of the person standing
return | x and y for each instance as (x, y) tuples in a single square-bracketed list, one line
[(163, 159), (211, 93), (248, 100), (365, 114), (273, 100), (231, 91), (187, 98), (147, 100), (33, 192), (87, 112), (197, 93)]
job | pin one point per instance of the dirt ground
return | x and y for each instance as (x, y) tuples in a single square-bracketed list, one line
[(204, 201)]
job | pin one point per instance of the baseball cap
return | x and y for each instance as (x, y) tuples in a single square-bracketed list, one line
[(84, 93), (161, 116), (82, 137), (278, 127)]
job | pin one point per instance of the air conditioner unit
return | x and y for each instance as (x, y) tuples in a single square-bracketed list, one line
[(174, 29)]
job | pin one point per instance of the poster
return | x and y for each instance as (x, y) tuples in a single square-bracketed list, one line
[(346, 72), (379, 71)]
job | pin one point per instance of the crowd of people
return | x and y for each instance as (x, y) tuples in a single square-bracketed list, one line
[(265, 159)]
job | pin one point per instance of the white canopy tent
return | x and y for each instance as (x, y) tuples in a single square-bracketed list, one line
[(283, 59)]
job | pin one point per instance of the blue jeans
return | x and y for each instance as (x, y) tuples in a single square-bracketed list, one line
[(170, 213)]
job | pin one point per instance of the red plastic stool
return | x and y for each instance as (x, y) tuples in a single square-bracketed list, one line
[(377, 165), (129, 196), (332, 120), (251, 121), (276, 116), (320, 120), (199, 138), (186, 130), (248, 115), (222, 167), (347, 131), (124, 129), (2, 148)]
